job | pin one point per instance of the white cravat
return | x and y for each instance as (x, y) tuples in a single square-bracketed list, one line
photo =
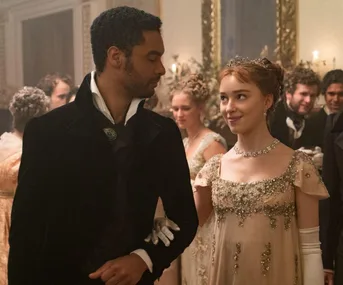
[(297, 133), (326, 110), (100, 104)]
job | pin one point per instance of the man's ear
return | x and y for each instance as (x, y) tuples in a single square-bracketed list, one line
[(288, 96), (115, 57), (269, 100)]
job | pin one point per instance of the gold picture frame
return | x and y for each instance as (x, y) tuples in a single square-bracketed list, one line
[(286, 32), (211, 33)]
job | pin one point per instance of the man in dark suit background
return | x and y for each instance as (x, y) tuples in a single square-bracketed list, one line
[(83, 209), (288, 124), (332, 89), (331, 210)]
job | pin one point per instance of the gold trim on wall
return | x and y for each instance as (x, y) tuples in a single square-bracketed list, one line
[(158, 8), (87, 48), (211, 35), (286, 32), (2, 56), (3, 19)]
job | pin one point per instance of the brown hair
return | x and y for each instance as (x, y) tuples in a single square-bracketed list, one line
[(301, 75), (195, 87), (50, 81), (267, 76), (332, 77)]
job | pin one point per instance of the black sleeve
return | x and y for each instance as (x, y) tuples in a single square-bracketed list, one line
[(329, 209), (177, 197), (28, 213)]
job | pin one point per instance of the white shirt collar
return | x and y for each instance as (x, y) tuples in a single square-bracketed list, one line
[(100, 104), (326, 110), (297, 133)]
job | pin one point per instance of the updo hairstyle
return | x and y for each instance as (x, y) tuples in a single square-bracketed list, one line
[(27, 103), (267, 76)]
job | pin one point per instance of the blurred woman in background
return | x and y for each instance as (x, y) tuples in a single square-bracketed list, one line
[(188, 103), (27, 103)]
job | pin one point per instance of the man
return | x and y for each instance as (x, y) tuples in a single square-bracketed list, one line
[(57, 86), (331, 210), (332, 89), (302, 87), (82, 211)]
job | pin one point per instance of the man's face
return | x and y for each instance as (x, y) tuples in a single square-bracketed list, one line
[(303, 99), (59, 96), (334, 97), (144, 68)]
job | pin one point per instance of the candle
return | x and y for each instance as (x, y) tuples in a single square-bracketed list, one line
[(315, 55), (174, 68)]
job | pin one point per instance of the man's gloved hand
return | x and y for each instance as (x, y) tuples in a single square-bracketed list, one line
[(306, 150), (318, 157), (161, 230)]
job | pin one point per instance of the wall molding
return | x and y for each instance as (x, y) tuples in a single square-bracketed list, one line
[(25, 10)]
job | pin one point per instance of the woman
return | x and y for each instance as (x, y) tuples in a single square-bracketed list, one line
[(188, 102), (27, 103), (264, 194)]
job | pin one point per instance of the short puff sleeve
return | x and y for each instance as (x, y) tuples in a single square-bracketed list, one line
[(208, 173), (307, 178)]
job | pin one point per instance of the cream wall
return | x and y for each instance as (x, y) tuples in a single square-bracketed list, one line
[(181, 30), (320, 28), (181, 25)]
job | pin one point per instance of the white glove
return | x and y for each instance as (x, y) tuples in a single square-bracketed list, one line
[(318, 157), (317, 149), (161, 231), (313, 273), (305, 150), (318, 160), (316, 154)]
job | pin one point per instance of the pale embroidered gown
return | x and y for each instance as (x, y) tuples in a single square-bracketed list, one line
[(10, 156), (255, 235), (192, 260)]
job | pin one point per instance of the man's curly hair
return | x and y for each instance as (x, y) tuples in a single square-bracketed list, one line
[(332, 77), (301, 75), (121, 27)]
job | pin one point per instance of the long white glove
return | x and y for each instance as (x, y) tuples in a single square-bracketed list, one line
[(313, 273), (161, 230)]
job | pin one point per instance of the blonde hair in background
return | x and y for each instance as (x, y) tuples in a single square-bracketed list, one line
[(195, 87), (28, 103)]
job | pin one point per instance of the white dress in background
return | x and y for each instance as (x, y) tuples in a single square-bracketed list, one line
[(185, 270)]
